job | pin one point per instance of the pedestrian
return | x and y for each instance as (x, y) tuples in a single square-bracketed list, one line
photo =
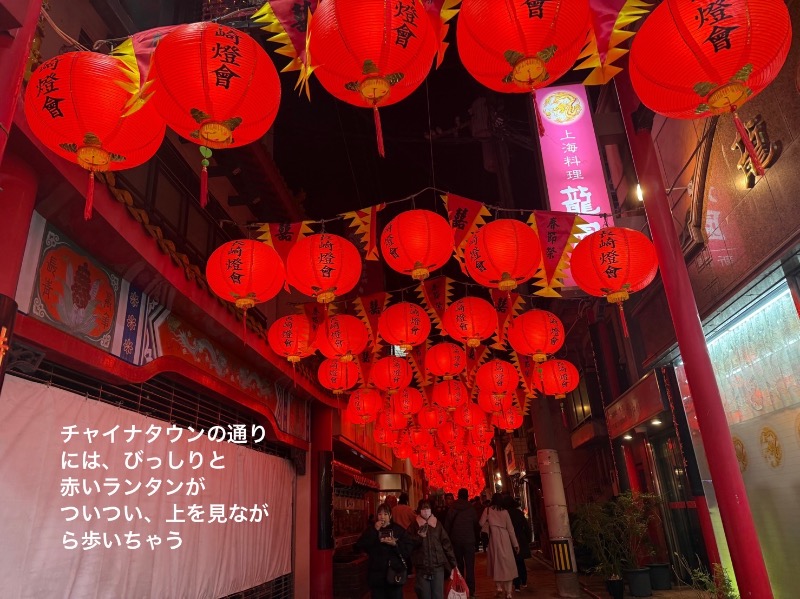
[(432, 553), (522, 529), (461, 524), (386, 543), (500, 562), (403, 514)]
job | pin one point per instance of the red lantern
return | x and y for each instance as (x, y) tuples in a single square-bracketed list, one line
[(497, 376), (416, 460), (714, 66), (337, 376), (292, 337), (367, 53), (514, 47), (468, 415), (215, 86), (341, 336), (470, 320), (404, 325), (536, 333), (391, 374), (81, 107), (407, 402), (508, 420), (323, 266), (392, 420), (480, 451), (384, 436), (482, 433), (420, 438), (555, 377), (503, 254), (415, 242), (450, 394), (492, 403), (613, 263), (245, 272), (445, 360), (365, 403), (450, 433), (403, 451), (431, 417)]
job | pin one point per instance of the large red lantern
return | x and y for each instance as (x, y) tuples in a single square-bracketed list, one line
[(391, 374), (431, 417), (341, 336), (515, 46), (470, 320), (415, 242), (503, 254), (613, 263), (720, 55), (291, 337), (392, 420), (445, 360), (450, 434), (215, 86), (497, 376), (404, 325), (371, 53), (323, 266), (469, 415), (555, 377), (245, 272), (337, 376), (384, 436), (365, 403), (482, 433), (407, 401), (508, 420), (449, 394), (80, 106), (536, 333), (492, 403)]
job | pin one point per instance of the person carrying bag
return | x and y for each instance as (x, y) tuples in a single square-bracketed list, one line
[(432, 555), (389, 549), (458, 588)]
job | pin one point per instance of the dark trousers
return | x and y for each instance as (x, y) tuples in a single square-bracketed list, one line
[(386, 591), (465, 560), (522, 572)]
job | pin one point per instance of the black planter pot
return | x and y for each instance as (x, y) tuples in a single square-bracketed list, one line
[(639, 582), (615, 588), (660, 577)]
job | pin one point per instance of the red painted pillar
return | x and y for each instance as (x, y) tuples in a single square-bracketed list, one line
[(17, 199), (737, 520), (321, 547), (12, 67), (630, 468)]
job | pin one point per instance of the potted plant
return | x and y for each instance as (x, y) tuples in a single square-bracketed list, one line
[(708, 586), (596, 529), (633, 513)]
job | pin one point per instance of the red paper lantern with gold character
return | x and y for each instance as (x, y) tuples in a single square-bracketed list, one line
[(503, 254), (492, 403), (482, 433), (404, 325), (341, 336), (291, 337), (384, 436), (407, 401), (445, 360), (497, 376), (514, 47), (323, 266), (370, 53), (215, 86), (415, 242), (365, 403), (468, 415), (536, 333), (470, 320), (719, 55), (449, 394), (245, 272), (82, 106), (555, 377), (449, 433), (392, 420), (337, 376), (431, 417), (391, 374)]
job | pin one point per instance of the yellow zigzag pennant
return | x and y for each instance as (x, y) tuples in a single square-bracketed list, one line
[(369, 309), (448, 11), (366, 223), (140, 92), (428, 291)]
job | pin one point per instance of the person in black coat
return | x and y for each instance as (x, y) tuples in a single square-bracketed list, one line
[(384, 542), (462, 526), (522, 530)]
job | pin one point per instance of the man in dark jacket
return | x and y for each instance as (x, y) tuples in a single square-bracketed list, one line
[(522, 530), (461, 524)]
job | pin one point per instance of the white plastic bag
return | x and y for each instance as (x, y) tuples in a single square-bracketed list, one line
[(458, 587)]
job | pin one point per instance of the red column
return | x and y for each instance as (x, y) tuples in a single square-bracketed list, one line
[(630, 468), (321, 443), (17, 199), (12, 67), (737, 520)]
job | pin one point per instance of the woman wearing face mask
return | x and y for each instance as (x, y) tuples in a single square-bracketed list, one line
[(384, 542), (433, 556)]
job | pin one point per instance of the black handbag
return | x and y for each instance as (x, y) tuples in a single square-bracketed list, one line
[(396, 573)]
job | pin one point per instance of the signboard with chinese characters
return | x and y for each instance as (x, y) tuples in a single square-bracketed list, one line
[(575, 178), (637, 405)]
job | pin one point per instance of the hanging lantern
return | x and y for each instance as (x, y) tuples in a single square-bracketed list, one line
[(449, 433), (503, 254), (416, 460), (391, 374), (392, 420), (448, 395), (420, 438), (482, 433), (514, 46), (415, 242), (341, 336), (497, 376), (555, 377), (431, 417), (245, 272), (365, 403), (536, 333), (337, 376), (480, 451), (468, 415), (470, 320), (80, 106), (404, 325), (369, 53), (291, 337), (407, 402), (384, 436), (323, 266), (445, 360), (403, 451), (492, 403), (508, 420), (720, 56), (613, 263)]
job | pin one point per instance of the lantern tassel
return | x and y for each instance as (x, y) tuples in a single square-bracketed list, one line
[(748, 144), (622, 320), (203, 186), (87, 207), (378, 131), (539, 123)]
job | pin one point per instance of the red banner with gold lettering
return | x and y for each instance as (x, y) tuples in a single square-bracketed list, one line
[(557, 236), (508, 305), (465, 217), (366, 222)]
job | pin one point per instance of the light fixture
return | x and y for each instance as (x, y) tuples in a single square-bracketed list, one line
[(639, 193), (627, 437), (655, 422)]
